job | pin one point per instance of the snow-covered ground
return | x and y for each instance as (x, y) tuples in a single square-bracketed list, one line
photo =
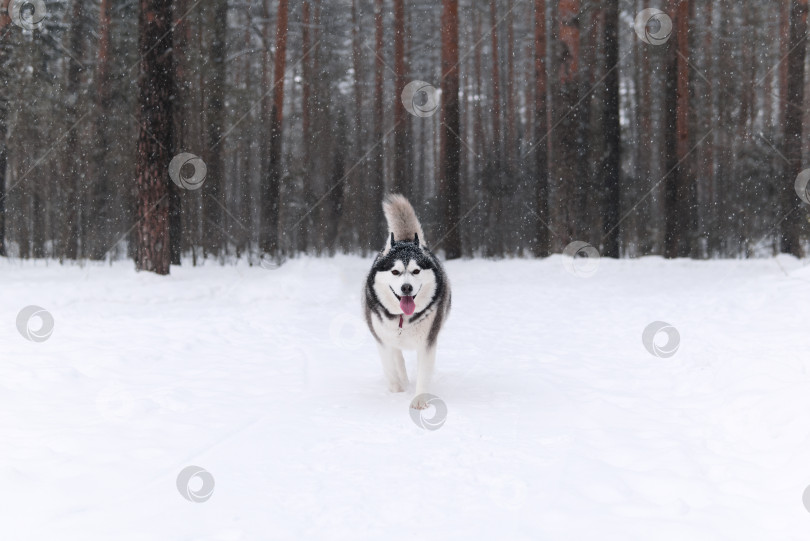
[(560, 426)]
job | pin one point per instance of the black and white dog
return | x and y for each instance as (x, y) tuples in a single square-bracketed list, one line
[(406, 300)]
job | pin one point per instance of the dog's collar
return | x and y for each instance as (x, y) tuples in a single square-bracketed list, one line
[(400, 320)]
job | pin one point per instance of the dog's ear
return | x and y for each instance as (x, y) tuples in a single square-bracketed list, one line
[(416, 238), (389, 243)]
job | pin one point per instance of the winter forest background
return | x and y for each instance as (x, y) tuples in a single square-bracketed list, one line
[(531, 125)]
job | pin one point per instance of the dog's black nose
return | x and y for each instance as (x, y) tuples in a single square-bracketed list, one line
[(407, 289)]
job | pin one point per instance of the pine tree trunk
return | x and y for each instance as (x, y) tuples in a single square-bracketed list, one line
[(264, 123), (5, 50), (272, 184), (155, 138), (612, 132), (541, 245), (511, 122), (306, 85), (310, 165), (584, 224), (496, 83), (76, 181), (449, 189), (101, 193), (183, 88), (377, 167), (357, 193), (784, 47), (680, 188), (567, 120), (791, 226), (712, 222), (401, 180), (213, 188)]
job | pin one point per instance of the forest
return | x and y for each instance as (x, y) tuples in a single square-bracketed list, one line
[(587, 321), (176, 131)]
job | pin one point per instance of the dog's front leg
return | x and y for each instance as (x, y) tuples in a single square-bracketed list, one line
[(426, 360), (389, 358)]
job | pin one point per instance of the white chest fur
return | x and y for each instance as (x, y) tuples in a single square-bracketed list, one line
[(410, 335)]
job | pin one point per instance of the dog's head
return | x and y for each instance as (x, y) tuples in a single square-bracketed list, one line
[(404, 277)]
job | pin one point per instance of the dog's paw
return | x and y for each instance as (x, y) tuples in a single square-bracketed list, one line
[(419, 402), (396, 387)]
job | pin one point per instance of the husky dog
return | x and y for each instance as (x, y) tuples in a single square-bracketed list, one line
[(406, 300)]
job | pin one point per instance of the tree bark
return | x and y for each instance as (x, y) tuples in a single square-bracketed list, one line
[(272, 184), (5, 50), (567, 119), (77, 178), (541, 245), (402, 180), (449, 189), (357, 194), (496, 82), (306, 84), (378, 164), (311, 162), (585, 219), (612, 132), (101, 194), (679, 185), (155, 138), (791, 225), (511, 117), (181, 129), (213, 188)]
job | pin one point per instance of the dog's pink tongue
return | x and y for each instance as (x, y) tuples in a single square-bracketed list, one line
[(407, 304)]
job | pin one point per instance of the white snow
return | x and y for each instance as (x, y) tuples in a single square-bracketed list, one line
[(561, 425)]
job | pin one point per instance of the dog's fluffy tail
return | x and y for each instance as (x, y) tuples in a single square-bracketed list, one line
[(402, 220)]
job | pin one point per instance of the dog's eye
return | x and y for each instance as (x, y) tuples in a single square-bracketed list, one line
[(416, 271), (395, 272)]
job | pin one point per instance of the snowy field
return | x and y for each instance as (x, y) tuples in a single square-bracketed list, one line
[(560, 426)]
